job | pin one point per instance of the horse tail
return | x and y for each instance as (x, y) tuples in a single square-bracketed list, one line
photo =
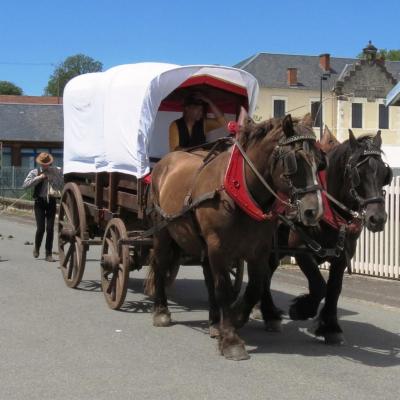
[(172, 269)]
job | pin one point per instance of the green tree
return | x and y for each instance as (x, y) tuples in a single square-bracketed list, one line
[(7, 87), (72, 66), (388, 55)]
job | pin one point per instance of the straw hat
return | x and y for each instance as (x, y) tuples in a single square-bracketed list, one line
[(44, 159)]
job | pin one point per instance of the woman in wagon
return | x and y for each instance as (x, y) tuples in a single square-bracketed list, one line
[(47, 182), (191, 129)]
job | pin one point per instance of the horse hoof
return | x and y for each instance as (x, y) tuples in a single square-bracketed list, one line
[(162, 319), (214, 331), (256, 314), (334, 339), (236, 352), (294, 314), (274, 325)]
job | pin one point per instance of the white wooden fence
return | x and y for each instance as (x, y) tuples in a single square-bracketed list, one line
[(378, 254)]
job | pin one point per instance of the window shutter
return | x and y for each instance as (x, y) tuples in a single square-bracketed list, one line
[(356, 115), (383, 117), (315, 113), (279, 108)]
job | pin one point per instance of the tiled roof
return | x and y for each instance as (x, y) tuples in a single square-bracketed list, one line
[(271, 69), (31, 122)]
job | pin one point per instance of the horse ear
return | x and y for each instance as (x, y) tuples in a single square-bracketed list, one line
[(353, 141), (328, 141), (377, 141), (287, 126), (307, 121), (243, 116)]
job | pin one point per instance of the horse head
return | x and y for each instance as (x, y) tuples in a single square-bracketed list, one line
[(286, 152), (365, 176)]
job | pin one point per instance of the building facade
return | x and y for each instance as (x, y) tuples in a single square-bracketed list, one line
[(353, 91), (30, 125)]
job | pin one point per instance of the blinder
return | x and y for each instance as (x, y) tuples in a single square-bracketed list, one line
[(289, 163), (388, 177)]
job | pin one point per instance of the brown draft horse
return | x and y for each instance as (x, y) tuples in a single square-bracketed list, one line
[(356, 175), (217, 231)]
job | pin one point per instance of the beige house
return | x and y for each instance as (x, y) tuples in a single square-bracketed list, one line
[(353, 91)]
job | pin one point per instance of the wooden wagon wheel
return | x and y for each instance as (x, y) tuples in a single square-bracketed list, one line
[(114, 264), (236, 273), (71, 232)]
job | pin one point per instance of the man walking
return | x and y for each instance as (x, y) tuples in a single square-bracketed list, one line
[(47, 182)]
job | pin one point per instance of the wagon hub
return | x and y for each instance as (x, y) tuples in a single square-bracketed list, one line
[(68, 233), (110, 262)]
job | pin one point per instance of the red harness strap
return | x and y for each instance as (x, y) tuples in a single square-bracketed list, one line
[(235, 186), (332, 218)]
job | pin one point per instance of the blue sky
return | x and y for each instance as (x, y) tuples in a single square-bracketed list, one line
[(36, 35)]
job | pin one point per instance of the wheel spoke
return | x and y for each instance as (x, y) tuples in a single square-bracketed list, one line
[(67, 213), (112, 283), (72, 210), (72, 264), (67, 256), (114, 293), (110, 246), (114, 238), (120, 277)]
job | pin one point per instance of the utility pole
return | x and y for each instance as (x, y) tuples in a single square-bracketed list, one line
[(323, 77)]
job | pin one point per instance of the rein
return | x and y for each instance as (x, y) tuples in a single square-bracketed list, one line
[(259, 176)]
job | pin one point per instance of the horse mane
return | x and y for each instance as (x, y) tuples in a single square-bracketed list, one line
[(252, 132)]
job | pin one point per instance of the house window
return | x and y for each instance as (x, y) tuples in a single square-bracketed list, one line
[(58, 157), (316, 113), (356, 115), (5, 157), (279, 108), (28, 156), (383, 117)]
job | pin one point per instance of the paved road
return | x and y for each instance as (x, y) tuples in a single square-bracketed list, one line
[(59, 343)]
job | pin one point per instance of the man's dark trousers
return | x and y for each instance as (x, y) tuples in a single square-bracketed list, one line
[(45, 212)]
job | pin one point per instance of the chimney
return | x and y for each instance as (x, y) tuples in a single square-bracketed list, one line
[(292, 76), (324, 62)]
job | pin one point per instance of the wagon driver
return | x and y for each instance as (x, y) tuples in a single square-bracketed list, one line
[(47, 182), (191, 129)]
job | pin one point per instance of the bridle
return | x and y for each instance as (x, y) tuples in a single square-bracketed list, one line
[(351, 170), (288, 158)]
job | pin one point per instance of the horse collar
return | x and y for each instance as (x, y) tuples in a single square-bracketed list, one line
[(236, 187)]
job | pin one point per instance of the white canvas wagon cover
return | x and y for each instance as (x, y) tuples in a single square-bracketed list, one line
[(109, 116)]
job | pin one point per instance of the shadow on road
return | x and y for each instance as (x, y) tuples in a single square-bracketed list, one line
[(365, 343)]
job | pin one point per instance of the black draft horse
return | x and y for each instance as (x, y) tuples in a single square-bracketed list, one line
[(356, 175)]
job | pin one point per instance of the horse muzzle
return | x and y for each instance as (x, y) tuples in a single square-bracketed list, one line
[(375, 222), (310, 209)]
